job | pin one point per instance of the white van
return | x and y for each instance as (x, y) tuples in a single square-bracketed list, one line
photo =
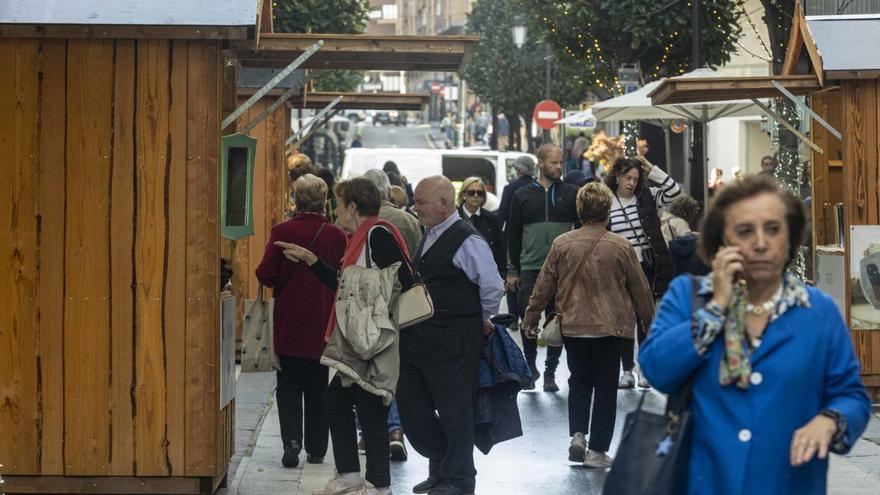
[(496, 168)]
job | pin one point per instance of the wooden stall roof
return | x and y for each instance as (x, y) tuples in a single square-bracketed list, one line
[(359, 51), (847, 45), (363, 101), (693, 90), (168, 19)]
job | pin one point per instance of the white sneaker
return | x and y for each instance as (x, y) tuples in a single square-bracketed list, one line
[(643, 382), (342, 484), (627, 380), (369, 489), (595, 459)]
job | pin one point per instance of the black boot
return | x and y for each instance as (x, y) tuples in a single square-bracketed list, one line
[(291, 454)]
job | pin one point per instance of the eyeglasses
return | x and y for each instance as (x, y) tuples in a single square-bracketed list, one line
[(473, 192)]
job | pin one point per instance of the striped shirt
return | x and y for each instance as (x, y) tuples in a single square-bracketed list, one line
[(625, 215)]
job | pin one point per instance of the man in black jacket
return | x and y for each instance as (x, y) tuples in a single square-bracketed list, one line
[(525, 167), (439, 357), (539, 213)]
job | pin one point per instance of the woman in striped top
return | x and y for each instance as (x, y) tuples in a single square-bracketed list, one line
[(634, 216)]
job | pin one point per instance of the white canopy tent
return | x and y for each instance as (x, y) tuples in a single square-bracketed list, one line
[(578, 119), (637, 106)]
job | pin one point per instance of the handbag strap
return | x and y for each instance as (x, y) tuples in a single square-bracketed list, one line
[(626, 217), (589, 253), (412, 269), (315, 238), (680, 401)]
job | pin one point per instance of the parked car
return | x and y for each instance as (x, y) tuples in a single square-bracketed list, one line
[(496, 168)]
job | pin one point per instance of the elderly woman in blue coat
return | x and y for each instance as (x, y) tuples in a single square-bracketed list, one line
[(776, 382)]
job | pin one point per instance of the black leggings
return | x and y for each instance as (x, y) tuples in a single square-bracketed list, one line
[(592, 388)]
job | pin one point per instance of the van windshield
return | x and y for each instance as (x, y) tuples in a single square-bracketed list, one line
[(459, 168)]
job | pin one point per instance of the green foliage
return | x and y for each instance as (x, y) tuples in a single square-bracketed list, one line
[(512, 80), (323, 16), (345, 81), (600, 35), (320, 16)]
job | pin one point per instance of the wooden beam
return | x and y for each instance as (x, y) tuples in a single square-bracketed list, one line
[(852, 74), (693, 90), (102, 485), (358, 51), (812, 50), (352, 101), (795, 43), (127, 32)]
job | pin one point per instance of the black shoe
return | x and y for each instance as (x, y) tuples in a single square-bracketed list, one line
[(446, 489), (427, 485), (531, 384), (291, 454), (550, 383), (314, 459)]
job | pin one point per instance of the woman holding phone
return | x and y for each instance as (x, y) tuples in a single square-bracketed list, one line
[(775, 380)]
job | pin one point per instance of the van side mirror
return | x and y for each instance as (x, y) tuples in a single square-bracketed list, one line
[(236, 186)]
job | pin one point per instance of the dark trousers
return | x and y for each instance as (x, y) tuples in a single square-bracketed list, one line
[(527, 279), (340, 403), (438, 372), (593, 366), (302, 380), (627, 346)]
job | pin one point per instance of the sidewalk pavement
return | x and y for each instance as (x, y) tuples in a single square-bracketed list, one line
[(257, 469)]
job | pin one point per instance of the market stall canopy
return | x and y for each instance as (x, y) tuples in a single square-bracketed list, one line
[(359, 51), (177, 19), (638, 105), (836, 39), (355, 101), (687, 90), (577, 118)]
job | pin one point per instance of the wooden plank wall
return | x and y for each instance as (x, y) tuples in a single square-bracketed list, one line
[(270, 190), (109, 244), (861, 155), (827, 180)]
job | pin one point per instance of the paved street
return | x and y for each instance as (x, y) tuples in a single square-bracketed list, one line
[(397, 137), (534, 463)]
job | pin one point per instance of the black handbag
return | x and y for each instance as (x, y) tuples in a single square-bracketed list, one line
[(655, 449), (649, 257)]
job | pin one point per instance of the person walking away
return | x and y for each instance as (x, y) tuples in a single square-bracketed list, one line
[(439, 358), (503, 132), (578, 148), (408, 227), (677, 224), (634, 215), (592, 321), (539, 213), (524, 167), (471, 199), (775, 381), (302, 309), (365, 385)]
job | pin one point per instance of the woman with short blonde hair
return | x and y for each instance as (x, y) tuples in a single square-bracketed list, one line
[(310, 194), (471, 199)]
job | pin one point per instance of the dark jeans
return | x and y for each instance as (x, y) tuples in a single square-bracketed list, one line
[(627, 346), (302, 380), (527, 279), (593, 367), (438, 370), (340, 403)]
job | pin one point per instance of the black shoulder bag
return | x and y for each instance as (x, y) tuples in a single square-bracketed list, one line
[(649, 257), (655, 449)]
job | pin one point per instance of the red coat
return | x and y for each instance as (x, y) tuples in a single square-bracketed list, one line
[(302, 302)]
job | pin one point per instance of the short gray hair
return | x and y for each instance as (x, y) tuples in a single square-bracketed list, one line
[(525, 165), (379, 178)]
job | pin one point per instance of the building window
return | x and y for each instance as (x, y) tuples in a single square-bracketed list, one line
[(438, 8), (389, 11), (375, 15)]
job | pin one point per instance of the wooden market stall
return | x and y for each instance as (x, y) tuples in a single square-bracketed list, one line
[(110, 346), (830, 59)]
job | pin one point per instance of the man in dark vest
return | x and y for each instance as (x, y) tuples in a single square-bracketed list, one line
[(439, 357)]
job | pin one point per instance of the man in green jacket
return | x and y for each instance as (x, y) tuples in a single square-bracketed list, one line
[(539, 212)]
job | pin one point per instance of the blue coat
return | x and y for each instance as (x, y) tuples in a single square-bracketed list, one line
[(741, 438)]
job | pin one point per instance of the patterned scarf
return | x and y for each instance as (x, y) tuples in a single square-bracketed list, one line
[(735, 366)]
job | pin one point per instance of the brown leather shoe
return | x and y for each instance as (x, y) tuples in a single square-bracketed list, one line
[(396, 446)]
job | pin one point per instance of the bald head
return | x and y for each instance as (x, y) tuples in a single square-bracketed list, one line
[(434, 200)]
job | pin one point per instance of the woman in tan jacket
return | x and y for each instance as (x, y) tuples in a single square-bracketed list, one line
[(600, 292)]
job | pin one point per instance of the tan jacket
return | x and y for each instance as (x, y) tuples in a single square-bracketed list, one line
[(605, 297), (405, 223)]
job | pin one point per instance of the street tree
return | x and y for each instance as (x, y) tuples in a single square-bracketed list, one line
[(513, 80), (321, 16), (599, 36)]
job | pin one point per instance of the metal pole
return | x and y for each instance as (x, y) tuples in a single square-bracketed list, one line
[(695, 35), (548, 136), (462, 112)]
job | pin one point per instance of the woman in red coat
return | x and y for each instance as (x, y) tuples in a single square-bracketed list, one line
[(302, 309)]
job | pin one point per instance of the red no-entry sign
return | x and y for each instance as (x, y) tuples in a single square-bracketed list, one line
[(546, 113)]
